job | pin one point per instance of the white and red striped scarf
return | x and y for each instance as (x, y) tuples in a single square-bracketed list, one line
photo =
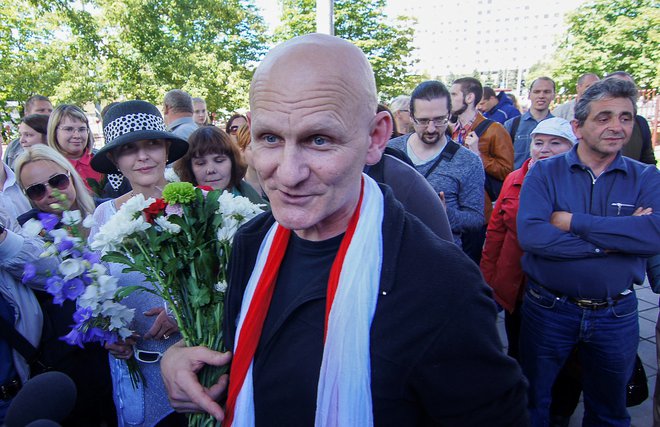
[(344, 389)]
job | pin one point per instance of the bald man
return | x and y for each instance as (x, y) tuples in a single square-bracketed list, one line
[(343, 309)]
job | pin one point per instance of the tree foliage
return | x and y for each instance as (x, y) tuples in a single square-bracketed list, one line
[(363, 22), (609, 35), (105, 50)]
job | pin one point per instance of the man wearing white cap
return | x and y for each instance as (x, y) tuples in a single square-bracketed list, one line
[(588, 220)]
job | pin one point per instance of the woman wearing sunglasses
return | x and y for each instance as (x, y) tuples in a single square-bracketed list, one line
[(43, 173), (138, 146), (234, 124), (70, 135), (40, 171)]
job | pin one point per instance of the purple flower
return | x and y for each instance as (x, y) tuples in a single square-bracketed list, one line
[(87, 279), (29, 273), (74, 338), (54, 287), (92, 257), (81, 315), (49, 221), (65, 245), (73, 288)]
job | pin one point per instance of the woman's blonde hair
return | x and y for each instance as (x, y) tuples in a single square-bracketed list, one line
[(72, 112), (43, 152)]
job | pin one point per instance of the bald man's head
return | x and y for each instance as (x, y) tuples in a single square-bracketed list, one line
[(314, 126), (319, 60)]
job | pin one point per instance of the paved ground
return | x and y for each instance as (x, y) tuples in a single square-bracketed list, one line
[(642, 415)]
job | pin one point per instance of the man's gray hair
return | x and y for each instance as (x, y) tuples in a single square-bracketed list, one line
[(401, 102), (179, 101), (605, 89)]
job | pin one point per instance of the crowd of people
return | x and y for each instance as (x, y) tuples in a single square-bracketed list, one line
[(368, 292)]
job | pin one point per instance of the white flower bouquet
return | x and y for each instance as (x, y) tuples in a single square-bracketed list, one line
[(181, 244)]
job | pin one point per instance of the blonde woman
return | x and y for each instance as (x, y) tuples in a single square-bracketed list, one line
[(39, 171), (42, 173), (70, 135)]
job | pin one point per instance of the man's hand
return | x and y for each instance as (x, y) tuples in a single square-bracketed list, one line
[(640, 211), (179, 368), (472, 142), (561, 220)]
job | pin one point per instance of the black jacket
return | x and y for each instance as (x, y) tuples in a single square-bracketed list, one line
[(436, 357)]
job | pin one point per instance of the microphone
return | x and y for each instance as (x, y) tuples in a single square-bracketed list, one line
[(50, 396)]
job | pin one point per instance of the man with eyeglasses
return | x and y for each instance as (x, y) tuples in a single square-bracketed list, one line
[(453, 171), (36, 104), (178, 113)]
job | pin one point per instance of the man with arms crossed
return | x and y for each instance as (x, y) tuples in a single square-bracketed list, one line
[(588, 219), (410, 334)]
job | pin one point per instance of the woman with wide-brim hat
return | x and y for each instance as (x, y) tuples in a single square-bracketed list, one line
[(138, 146)]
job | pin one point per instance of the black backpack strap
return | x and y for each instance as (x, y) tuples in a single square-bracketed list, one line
[(18, 341), (447, 154), (514, 127), (483, 127)]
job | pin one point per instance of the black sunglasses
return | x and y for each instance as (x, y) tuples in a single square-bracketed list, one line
[(38, 191)]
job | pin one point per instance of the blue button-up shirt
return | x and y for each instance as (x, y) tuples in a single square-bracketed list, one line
[(522, 139)]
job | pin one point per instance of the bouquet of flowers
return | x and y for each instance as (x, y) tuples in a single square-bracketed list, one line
[(100, 315), (181, 244)]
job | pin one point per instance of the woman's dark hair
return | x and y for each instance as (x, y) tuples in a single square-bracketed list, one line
[(210, 140), (38, 122), (231, 120)]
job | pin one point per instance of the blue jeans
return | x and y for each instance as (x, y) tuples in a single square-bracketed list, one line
[(552, 326)]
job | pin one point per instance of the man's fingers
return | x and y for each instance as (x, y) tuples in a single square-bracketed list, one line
[(179, 368)]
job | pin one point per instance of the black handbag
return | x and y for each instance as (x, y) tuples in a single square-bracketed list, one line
[(637, 390)]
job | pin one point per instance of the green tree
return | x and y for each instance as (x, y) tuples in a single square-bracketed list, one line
[(105, 50), (609, 35), (364, 23)]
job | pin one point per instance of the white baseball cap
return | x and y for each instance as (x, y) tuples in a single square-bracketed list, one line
[(556, 126)]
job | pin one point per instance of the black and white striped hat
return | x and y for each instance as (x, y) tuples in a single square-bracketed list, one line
[(133, 121)]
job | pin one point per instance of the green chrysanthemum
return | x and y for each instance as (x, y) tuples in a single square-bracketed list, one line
[(179, 192)]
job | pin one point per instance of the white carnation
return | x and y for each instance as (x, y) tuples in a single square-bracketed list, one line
[(89, 222), (229, 227), (170, 227)]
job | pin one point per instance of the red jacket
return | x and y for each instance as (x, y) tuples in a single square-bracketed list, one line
[(500, 260)]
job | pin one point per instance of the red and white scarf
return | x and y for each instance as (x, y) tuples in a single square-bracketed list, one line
[(344, 389)]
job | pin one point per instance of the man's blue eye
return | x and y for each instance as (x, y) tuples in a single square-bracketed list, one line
[(319, 140), (271, 139)]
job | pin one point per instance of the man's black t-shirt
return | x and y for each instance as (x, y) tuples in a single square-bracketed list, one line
[(299, 300)]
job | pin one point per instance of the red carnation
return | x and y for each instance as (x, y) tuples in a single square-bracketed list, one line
[(205, 187), (152, 211)]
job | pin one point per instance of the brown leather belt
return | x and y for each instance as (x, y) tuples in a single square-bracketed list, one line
[(589, 303)]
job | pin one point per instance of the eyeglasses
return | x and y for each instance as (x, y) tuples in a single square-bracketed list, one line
[(70, 129), (437, 121), (233, 130), (38, 191), (146, 356)]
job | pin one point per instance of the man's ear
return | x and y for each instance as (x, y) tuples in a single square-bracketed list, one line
[(379, 133), (576, 129)]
